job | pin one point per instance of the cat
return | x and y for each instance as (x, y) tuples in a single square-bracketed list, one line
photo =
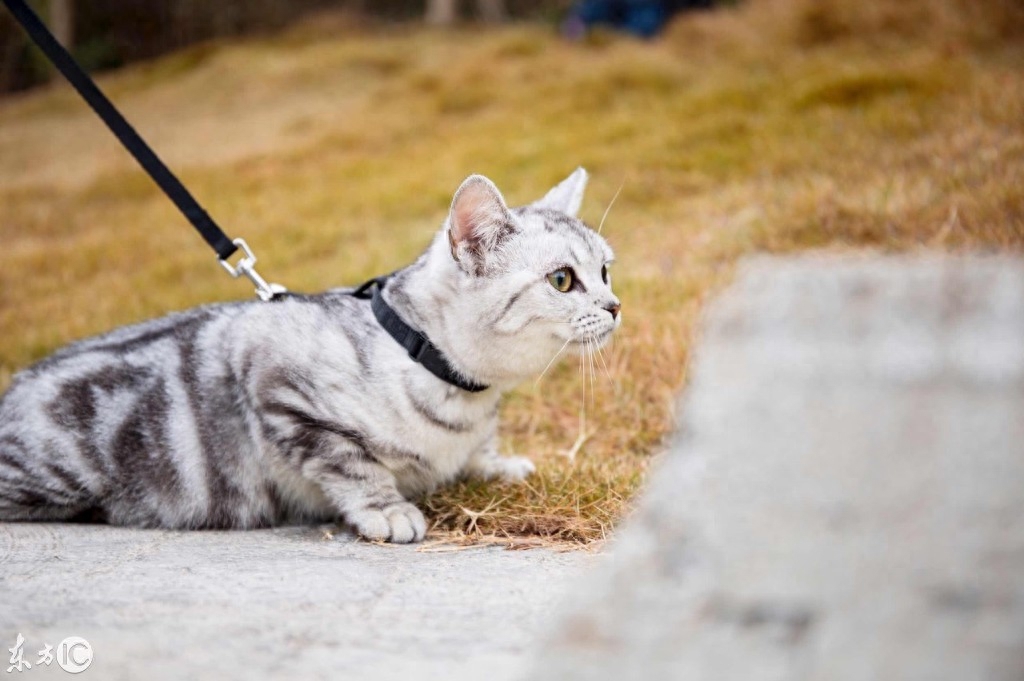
[(305, 408)]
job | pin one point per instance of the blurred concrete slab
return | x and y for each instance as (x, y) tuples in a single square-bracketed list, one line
[(846, 498), (289, 603)]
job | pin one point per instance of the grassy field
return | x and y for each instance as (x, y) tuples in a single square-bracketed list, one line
[(334, 148)]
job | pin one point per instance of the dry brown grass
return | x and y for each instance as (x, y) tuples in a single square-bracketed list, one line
[(778, 126)]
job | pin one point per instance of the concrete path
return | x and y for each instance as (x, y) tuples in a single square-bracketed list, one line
[(289, 603)]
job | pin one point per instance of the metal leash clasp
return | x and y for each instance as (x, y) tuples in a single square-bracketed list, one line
[(247, 267)]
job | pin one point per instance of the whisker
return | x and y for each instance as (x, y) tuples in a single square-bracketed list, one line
[(604, 365), (583, 378), (610, 204), (583, 435), (590, 364), (581, 438), (564, 345)]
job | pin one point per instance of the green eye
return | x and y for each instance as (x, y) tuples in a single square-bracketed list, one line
[(561, 279)]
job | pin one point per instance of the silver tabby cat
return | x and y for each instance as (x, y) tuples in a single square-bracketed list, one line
[(252, 414)]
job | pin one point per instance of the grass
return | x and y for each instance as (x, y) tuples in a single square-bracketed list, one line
[(777, 126)]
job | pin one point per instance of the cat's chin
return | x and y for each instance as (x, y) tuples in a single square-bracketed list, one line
[(586, 346)]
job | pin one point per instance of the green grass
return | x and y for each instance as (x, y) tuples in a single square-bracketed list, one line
[(775, 127)]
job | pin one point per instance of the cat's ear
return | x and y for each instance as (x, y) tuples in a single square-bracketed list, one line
[(567, 195), (478, 219)]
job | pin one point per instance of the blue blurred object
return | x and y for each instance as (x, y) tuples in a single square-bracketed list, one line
[(644, 18)]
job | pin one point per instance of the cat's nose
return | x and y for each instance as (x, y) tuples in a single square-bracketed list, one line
[(614, 309)]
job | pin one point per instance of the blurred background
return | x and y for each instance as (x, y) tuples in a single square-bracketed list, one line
[(331, 136), (111, 33)]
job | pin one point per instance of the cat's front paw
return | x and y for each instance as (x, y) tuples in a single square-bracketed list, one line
[(507, 468), (399, 523)]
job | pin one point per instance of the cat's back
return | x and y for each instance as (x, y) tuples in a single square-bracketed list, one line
[(132, 348), (182, 346), (197, 350)]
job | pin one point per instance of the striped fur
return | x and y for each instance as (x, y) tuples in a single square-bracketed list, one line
[(254, 414)]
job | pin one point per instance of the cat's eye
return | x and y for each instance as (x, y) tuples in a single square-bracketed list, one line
[(561, 279), (604, 273)]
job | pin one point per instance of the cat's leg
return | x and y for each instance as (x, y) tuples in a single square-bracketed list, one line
[(486, 464), (367, 497), (339, 461)]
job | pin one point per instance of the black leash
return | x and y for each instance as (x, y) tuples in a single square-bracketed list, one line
[(418, 346), (138, 148)]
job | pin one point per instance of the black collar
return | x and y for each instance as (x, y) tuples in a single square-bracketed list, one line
[(418, 346)]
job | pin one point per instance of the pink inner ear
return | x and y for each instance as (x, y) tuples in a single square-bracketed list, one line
[(472, 210)]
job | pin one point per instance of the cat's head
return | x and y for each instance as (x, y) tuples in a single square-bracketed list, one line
[(533, 281)]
